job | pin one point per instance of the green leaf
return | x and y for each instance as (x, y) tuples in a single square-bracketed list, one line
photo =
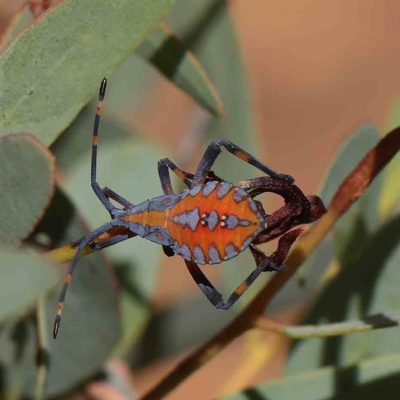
[(27, 184), (370, 379), (389, 202), (93, 38), (206, 29), (18, 348), (128, 165), (23, 279), (368, 255), (377, 321), (129, 88), (175, 62), (355, 148), (90, 325)]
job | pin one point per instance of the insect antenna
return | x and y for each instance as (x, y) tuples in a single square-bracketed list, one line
[(93, 174)]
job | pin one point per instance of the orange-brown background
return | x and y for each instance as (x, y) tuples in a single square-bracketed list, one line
[(317, 68)]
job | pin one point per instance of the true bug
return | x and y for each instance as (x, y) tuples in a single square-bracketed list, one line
[(209, 222)]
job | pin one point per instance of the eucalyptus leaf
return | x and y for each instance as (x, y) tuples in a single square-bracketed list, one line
[(23, 279), (313, 270), (207, 30), (169, 55), (389, 201), (18, 348), (367, 380), (366, 209), (368, 255), (90, 325), (45, 82), (20, 21), (26, 185)]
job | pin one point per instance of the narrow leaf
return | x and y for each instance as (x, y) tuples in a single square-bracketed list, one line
[(389, 201), (366, 380), (170, 56), (367, 255), (349, 191), (377, 321)]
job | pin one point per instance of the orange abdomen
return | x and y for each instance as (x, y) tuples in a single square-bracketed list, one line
[(213, 222)]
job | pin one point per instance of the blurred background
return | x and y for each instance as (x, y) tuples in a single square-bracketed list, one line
[(316, 70)]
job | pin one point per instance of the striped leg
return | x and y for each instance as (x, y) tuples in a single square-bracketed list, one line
[(185, 177), (165, 178), (264, 263), (96, 188), (213, 151), (214, 296), (85, 241), (166, 184), (109, 242), (110, 194), (106, 239)]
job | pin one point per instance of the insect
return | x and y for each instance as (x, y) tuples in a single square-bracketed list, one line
[(209, 222)]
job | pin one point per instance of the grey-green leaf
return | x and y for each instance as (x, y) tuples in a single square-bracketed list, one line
[(51, 70), (352, 152), (169, 55), (90, 325), (206, 29), (367, 380), (18, 348), (368, 255), (26, 185), (23, 279)]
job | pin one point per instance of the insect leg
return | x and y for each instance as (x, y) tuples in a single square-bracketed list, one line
[(284, 244), (116, 197), (213, 151), (96, 188), (214, 296), (109, 242), (264, 263), (185, 177), (85, 241), (166, 184), (165, 178)]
